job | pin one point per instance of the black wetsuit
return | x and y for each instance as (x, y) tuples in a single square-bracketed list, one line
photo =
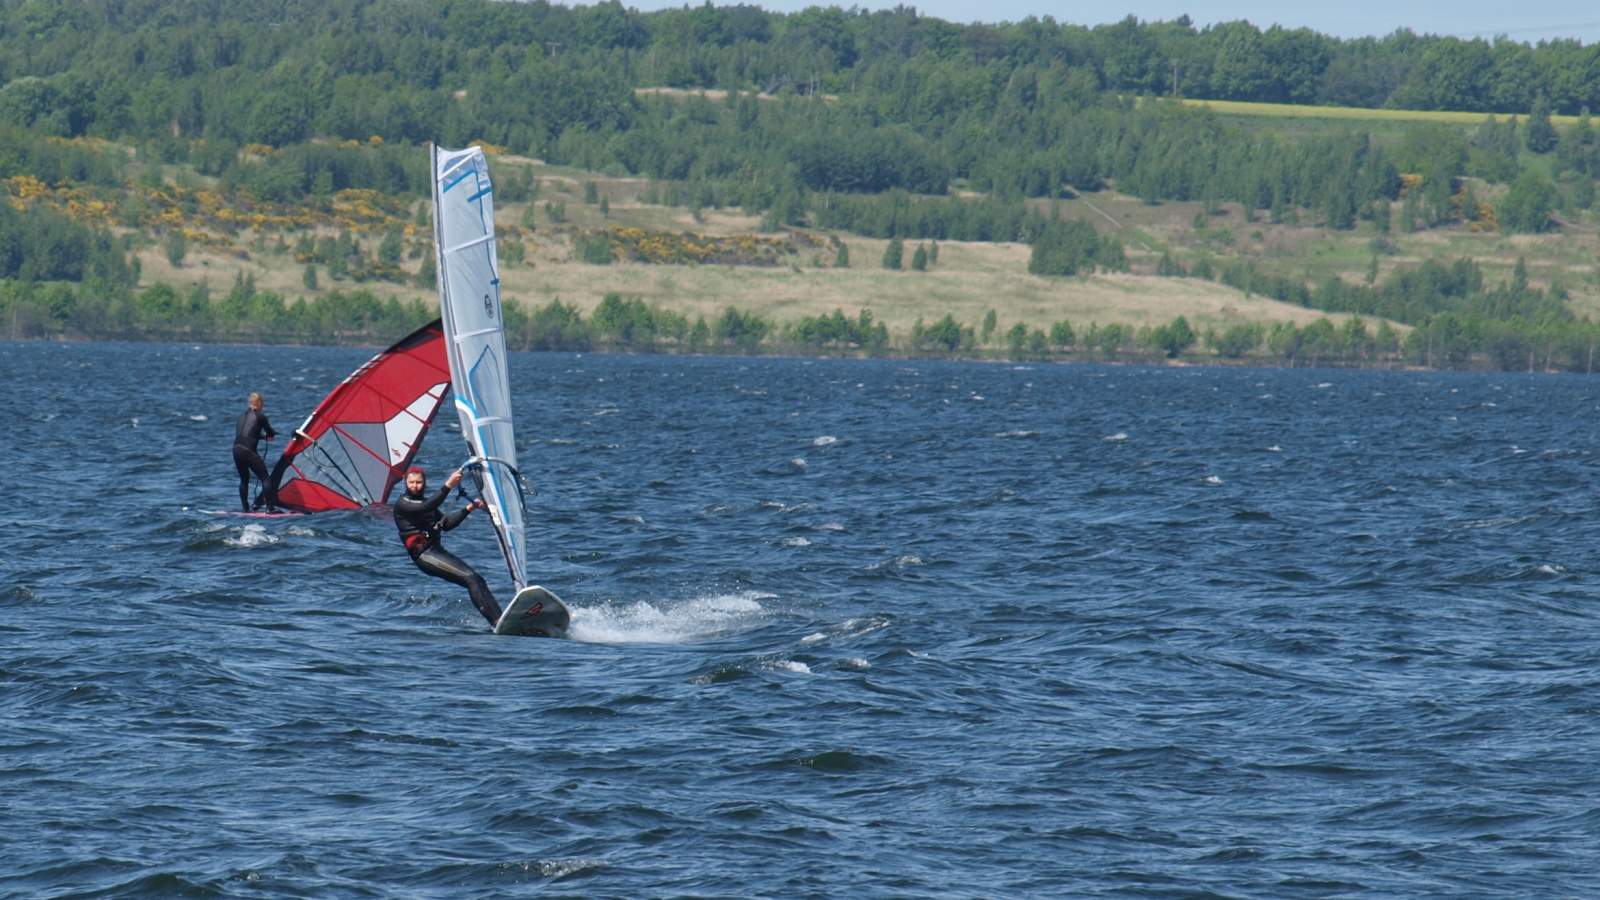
[(420, 523), (252, 425)]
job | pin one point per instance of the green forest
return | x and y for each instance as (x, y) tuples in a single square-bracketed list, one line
[(884, 124)]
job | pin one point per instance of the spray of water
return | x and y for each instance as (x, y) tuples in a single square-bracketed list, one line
[(669, 621)]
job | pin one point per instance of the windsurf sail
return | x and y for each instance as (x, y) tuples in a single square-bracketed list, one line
[(475, 341), (359, 440)]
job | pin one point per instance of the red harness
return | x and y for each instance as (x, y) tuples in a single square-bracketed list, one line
[(416, 543)]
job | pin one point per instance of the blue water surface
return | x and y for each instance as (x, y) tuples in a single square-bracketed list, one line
[(841, 628)]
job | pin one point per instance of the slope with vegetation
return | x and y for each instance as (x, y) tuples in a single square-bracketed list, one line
[(728, 176)]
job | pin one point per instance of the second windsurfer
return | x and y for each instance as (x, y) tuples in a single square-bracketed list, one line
[(253, 425)]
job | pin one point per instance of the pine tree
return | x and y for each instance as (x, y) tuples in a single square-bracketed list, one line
[(1583, 192), (427, 273), (1541, 135), (393, 245), (177, 248), (894, 254)]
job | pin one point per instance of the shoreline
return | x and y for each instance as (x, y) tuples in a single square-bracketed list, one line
[(1066, 359)]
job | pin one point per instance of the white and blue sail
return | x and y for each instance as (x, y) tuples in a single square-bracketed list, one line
[(475, 341)]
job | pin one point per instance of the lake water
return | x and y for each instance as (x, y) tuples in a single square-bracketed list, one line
[(841, 628)]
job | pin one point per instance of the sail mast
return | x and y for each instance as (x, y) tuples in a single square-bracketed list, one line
[(469, 305)]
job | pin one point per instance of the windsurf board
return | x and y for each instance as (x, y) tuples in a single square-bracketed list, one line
[(256, 514), (534, 612)]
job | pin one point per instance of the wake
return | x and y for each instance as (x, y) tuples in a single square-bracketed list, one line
[(668, 621)]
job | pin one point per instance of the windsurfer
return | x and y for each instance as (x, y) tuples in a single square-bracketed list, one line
[(247, 460), (420, 522)]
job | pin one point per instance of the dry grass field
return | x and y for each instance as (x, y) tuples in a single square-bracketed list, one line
[(968, 280), (1352, 113)]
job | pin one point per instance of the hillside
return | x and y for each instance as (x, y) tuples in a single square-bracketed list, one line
[(969, 279), (786, 275), (177, 169)]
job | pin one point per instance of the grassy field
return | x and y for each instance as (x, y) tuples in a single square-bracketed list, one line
[(1224, 107), (1353, 113), (968, 280)]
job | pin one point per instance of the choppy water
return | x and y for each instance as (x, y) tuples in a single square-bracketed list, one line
[(841, 628)]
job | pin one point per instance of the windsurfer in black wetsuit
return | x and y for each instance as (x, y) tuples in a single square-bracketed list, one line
[(253, 425), (420, 522)]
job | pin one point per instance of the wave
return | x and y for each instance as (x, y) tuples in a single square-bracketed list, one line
[(251, 535), (904, 561)]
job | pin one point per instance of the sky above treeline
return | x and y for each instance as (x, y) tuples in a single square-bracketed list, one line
[(1528, 22)]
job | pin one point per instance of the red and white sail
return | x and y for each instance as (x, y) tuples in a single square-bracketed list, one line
[(359, 440)]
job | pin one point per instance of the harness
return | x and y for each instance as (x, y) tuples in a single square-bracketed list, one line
[(416, 542)]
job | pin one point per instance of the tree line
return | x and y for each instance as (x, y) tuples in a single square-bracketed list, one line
[(40, 244), (289, 100), (141, 65), (1412, 295), (914, 101), (1451, 339), (163, 312)]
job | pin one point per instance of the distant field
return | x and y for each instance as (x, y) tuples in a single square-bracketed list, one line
[(968, 280), (1225, 107), (715, 94), (1290, 111)]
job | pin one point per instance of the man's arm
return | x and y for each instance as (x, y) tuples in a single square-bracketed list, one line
[(460, 515)]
